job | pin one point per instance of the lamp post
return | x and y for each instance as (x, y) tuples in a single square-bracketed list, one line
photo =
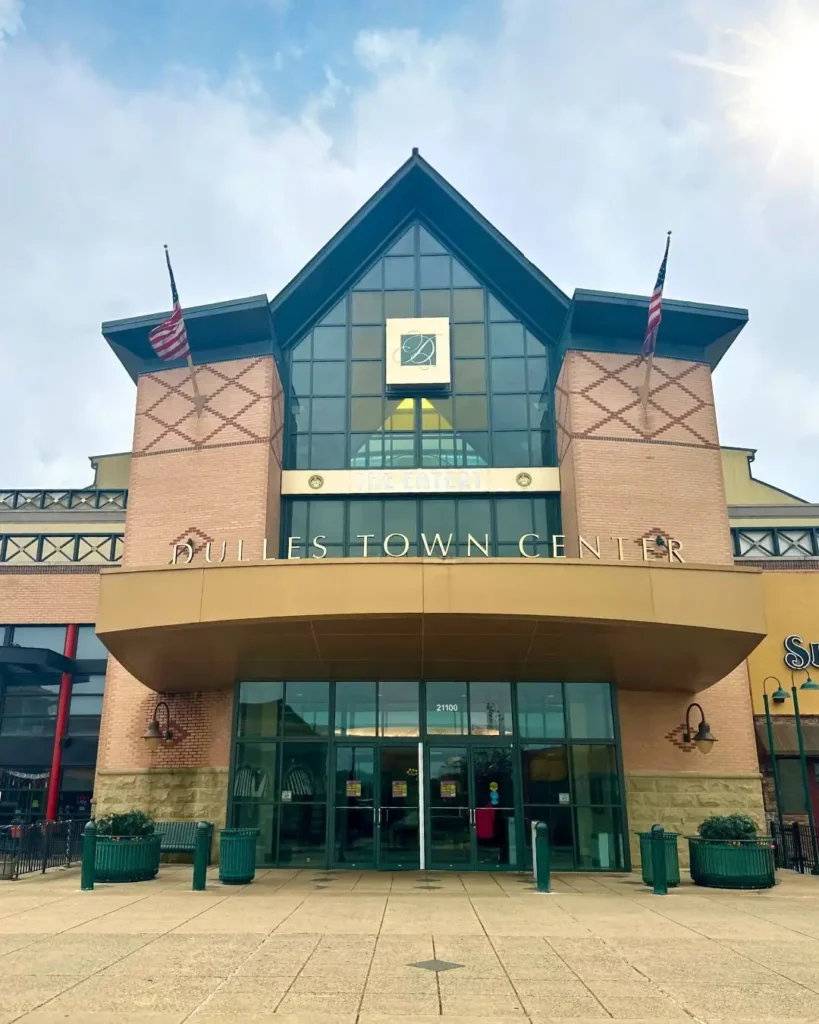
[(154, 734), (703, 740), (807, 685), (779, 696)]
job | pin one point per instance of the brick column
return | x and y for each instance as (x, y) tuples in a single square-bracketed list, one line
[(212, 478), (631, 475)]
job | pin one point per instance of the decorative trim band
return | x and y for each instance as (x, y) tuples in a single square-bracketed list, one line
[(468, 480)]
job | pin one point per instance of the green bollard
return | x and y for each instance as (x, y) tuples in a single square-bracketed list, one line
[(201, 850), (658, 865), (542, 858), (89, 856)]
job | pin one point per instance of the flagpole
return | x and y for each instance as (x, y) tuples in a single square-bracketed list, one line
[(650, 341), (198, 401)]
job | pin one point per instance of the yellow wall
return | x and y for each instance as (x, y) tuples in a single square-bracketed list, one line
[(112, 472), (791, 607), (740, 486)]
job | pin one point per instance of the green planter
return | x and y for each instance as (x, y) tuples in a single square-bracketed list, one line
[(237, 855), (127, 858), (672, 860), (734, 864)]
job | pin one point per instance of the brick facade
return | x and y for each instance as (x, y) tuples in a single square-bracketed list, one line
[(626, 472), (214, 477)]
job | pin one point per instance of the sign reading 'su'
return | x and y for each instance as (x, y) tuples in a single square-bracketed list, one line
[(798, 654)]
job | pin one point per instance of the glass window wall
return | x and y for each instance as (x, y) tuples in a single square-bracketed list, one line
[(499, 412), (305, 768)]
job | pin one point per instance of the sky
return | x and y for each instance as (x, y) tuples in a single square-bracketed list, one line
[(244, 133)]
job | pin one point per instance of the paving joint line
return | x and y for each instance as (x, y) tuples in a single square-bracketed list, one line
[(745, 956), (372, 957), (233, 973), (622, 957)]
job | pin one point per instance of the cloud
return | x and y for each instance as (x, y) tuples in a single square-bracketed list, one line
[(11, 18), (581, 151)]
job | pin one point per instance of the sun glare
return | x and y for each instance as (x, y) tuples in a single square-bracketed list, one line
[(775, 93)]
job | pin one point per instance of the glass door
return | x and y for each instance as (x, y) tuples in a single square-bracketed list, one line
[(450, 808), (397, 819), (354, 817), (472, 817)]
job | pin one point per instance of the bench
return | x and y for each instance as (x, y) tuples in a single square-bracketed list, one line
[(180, 836)]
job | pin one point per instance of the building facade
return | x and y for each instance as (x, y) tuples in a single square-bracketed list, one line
[(422, 570)]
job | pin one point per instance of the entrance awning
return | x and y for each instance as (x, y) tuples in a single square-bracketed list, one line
[(784, 734), (23, 661), (646, 626)]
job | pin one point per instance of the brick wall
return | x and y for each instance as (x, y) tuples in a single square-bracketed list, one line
[(214, 477), (48, 598), (630, 473)]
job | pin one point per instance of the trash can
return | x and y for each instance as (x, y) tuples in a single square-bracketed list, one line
[(237, 855), (672, 859)]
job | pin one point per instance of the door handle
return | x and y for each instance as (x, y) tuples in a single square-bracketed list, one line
[(376, 815)]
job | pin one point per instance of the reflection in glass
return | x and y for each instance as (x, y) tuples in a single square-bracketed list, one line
[(561, 835), (446, 709), (449, 815), (260, 709), (599, 839), (490, 709), (540, 710), (594, 771), (302, 836), (590, 715), (255, 771), (354, 804), (545, 775), (307, 709), (355, 709), (50, 637), (494, 799), (89, 644), (265, 818), (398, 706), (398, 810)]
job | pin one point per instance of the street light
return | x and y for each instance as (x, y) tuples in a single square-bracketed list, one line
[(703, 740), (807, 685), (779, 696), (154, 734)]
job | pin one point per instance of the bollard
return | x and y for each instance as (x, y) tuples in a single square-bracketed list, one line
[(658, 865), (201, 850), (542, 855), (89, 856)]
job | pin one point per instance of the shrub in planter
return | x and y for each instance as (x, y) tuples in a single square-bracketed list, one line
[(127, 848), (728, 854)]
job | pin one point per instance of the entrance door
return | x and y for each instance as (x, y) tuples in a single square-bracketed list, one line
[(472, 818), (376, 807)]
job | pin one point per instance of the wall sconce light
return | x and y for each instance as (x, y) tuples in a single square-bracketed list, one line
[(702, 739), (780, 694), (808, 683), (154, 734)]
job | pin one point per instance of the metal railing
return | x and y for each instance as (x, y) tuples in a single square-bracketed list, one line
[(85, 499), (25, 849), (774, 542), (61, 548), (793, 848)]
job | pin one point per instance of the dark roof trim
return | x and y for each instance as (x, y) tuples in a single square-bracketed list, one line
[(615, 322), (216, 331), (22, 660)]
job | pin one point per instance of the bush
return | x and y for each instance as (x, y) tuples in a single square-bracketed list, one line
[(728, 828), (133, 823)]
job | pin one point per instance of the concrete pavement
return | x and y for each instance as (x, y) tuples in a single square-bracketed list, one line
[(305, 947)]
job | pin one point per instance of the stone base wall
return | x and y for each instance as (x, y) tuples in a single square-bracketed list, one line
[(167, 794), (680, 801)]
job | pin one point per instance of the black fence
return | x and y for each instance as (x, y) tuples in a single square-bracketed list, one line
[(25, 849), (793, 847)]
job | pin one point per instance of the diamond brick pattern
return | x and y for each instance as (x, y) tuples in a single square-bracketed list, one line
[(603, 392), (233, 411)]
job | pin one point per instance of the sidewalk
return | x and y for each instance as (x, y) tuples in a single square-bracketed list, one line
[(302, 947)]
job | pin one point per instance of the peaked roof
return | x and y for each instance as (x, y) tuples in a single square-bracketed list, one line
[(597, 320), (418, 192)]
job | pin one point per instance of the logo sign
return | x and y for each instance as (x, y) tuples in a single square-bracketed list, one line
[(799, 654), (418, 349)]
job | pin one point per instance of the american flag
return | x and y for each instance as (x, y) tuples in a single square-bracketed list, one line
[(655, 308), (170, 339)]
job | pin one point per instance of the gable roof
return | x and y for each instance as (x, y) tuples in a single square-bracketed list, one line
[(418, 192)]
